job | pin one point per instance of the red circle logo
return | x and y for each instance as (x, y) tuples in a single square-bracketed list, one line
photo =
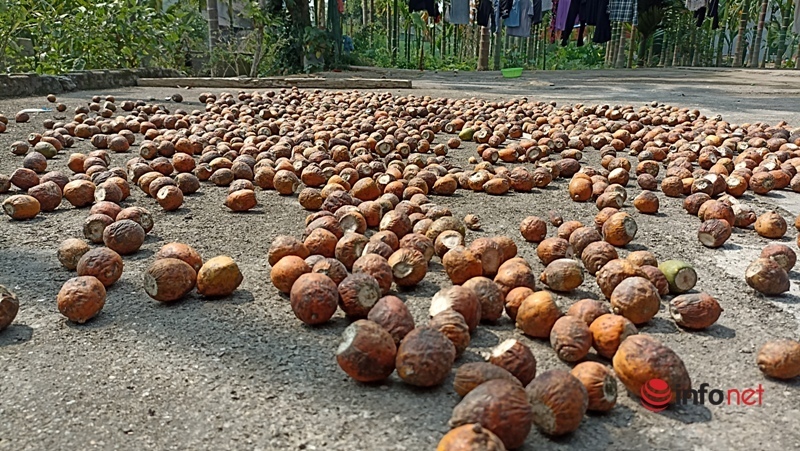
[(656, 395)]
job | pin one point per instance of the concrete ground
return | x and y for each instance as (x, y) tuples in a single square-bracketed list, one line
[(243, 373)]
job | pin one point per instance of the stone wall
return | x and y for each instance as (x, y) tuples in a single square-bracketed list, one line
[(23, 85)]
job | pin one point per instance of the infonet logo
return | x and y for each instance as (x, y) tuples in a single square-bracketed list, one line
[(656, 396)]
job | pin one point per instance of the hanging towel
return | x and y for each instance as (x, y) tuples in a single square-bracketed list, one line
[(459, 12), (512, 20), (625, 11), (796, 27), (526, 17)]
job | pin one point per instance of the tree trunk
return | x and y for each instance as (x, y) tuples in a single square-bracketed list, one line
[(364, 12), (213, 24), (483, 52), (741, 42), (498, 44), (620, 53), (641, 53), (786, 20), (720, 45), (756, 52), (395, 32), (631, 46)]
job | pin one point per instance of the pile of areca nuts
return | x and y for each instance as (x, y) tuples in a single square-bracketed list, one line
[(369, 166)]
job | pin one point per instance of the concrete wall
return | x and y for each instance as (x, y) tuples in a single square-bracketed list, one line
[(22, 85)]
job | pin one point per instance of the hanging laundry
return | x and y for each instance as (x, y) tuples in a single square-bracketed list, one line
[(340, 6), (536, 17), (513, 17), (572, 16), (796, 27), (710, 10), (504, 8), (553, 21), (526, 17), (431, 6), (625, 11), (694, 5), (599, 17), (561, 15), (459, 12), (484, 13)]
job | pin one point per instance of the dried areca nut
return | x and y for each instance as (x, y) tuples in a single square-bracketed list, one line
[(445, 223), (357, 294), (24, 179), (657, 278), (780, 359), (672, 186), (555, 218), (94, 226), (614, 272), (570, 338), (460, 299), (771, 225), (680, 276), (21, 207), (714, 233), (425, 357), (169, 279), (109, 191), (79, 193), (366, 189), (420, 243), (646, 202), (515, 357), (109, 209), (695, 311), (397, 222), (124, 236), (597, 255), (284, 245), (350, 247), (351, 220), (454, 326), (537, 314), (408, 266), (182, 252), (377, 267), (367, 352), (552, 249), (138, 215), (611, 199), (508, 248), (332, 268), (608, 331), (559, 401), (488, 253), (762, 182), (588, 310), (600, 384), (637, 299), (9, 307), (497, 186), (286, 271), (782, 254), (489, 296), (564, 275), (473, 222), (647, 181), (285, 182), (566, 229), (641, 358), (158, 183), (241, 200), (471, 375), (374, 247), (70, 252), (642, 258), (736, 185), (328, 222), (767, 277), (693, 203), (81, 298), (582, 237), (499, 406), (620, 229), (603, 216), (533, 229), (461, 264), (102, 263), (513, 274), (48, 194), (314, 298), (580, 189), (514, 299), (391, 313)]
